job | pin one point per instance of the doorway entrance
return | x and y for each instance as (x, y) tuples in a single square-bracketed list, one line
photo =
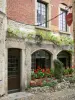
[(13, 70)]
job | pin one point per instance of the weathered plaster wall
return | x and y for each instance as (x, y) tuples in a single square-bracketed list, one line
[(3, 6), (28, 47), (3, 25)]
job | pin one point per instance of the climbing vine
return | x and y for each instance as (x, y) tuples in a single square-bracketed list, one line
[(44, 35)]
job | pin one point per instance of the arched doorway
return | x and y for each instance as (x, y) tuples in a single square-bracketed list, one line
[(13, 70), (41, 58), (65, 58)]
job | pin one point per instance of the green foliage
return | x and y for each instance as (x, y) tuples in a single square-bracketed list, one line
[(48, 74), (34, 75), (52, 72), (68, 71), (11, 32), (16, 32), (50, 84), (70, 79), (46, 35), (40, 74), (58, 69), (66, 40), (30, 36)]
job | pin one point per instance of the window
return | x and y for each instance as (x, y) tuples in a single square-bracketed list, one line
[(41, 14), (65, 58), (62, 22), (41, 58)]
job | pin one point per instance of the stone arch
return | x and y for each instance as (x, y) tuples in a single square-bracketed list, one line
[(42, 58), (65, 57), (47, 50)]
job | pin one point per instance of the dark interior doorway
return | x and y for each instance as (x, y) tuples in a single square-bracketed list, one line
[(40, 62), (65, 58), (42, 59), (13, 70)]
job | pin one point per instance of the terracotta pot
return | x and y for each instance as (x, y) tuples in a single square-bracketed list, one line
[(32, 83)]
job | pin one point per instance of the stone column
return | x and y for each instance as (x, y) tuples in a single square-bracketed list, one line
[(23, 71), (3, 23), (28, 62), (72, 59), (54, 57)]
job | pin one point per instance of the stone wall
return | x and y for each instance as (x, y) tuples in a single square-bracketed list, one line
[(3, 6), (3, 27), (27, 47)]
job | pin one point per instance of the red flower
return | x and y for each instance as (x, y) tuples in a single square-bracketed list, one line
[(44, 67), (43, 70), (35, 71), (39, 67)]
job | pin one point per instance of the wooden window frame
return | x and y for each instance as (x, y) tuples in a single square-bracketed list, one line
[(63, 27), (44, 11)]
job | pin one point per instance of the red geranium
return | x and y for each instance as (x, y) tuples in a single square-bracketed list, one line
[(35, 71), (43, 70), (39, 68)]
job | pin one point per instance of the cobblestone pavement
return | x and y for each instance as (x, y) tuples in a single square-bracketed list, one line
[(67, 94)]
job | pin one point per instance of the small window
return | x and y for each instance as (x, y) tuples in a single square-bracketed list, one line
[(41, 14), (62, 21)]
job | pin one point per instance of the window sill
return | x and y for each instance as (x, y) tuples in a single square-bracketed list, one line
[(68, 33), (42, 28)]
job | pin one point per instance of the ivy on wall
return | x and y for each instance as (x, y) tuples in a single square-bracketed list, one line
[(12, 32), (43, 35)]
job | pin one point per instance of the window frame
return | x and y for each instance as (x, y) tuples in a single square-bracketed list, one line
[(45, 4), (61, 25)]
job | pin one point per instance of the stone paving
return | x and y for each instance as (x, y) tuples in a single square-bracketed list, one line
[(67, 94)]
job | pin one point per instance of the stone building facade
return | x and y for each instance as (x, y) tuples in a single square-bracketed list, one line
[(19, 53)]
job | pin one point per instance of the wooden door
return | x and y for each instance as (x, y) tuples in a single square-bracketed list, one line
[(13, 70)]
